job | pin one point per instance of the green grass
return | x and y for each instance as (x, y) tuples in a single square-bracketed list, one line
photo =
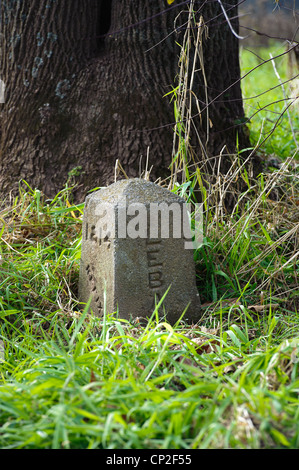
[(73, 387), (264, 99), (71, 380)]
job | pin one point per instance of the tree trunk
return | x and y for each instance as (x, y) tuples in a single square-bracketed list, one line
[(79, 97)]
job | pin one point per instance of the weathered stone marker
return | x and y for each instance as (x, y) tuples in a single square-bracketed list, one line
[(134, 249)]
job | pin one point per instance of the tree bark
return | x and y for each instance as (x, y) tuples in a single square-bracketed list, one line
[(86, 85)]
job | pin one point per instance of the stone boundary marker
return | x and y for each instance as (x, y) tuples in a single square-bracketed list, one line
[(133, 250)]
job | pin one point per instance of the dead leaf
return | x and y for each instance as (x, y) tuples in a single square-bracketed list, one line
[(263, 308), (92, 376), (210, 331), (204, 345), (229, 369)]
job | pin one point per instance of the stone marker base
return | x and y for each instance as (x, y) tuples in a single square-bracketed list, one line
[(129, 260)]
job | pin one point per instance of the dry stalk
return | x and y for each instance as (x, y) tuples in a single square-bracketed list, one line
[(182, 151), (270, 185)]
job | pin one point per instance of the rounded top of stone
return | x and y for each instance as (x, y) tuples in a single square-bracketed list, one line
[(134, 190)]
